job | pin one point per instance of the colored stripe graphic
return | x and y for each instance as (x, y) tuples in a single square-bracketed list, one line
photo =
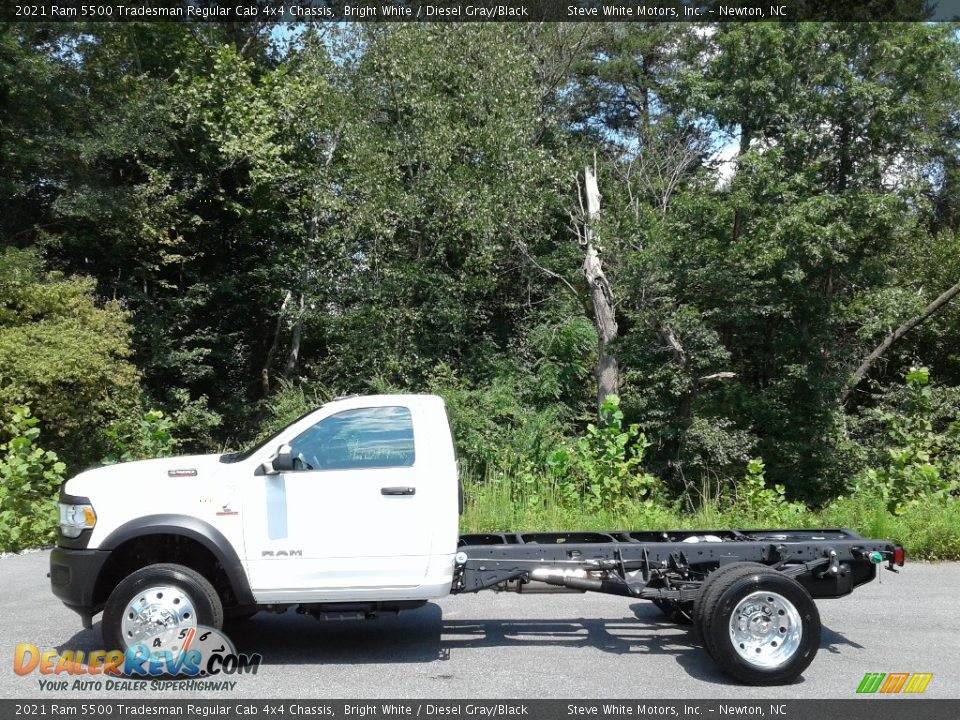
[(918, 682), (870, 682), (893, 683)]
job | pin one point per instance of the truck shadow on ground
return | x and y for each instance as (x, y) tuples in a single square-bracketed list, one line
[(424, 636)]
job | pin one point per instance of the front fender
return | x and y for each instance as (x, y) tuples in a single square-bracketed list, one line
[(195, 529)]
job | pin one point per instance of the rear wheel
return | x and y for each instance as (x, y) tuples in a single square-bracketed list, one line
[(711, 582), (761, 626), (156, 598)]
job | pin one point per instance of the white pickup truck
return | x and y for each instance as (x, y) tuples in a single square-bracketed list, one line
[(354, 509)]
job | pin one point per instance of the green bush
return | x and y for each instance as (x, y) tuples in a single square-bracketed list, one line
[(603, 470), (495, 427), (922, 464), (192, 422), (762, 505), (29, 478), (152, 433), (141, 438)]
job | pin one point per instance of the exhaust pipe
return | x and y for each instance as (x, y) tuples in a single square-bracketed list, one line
[(577, 581), (543, 581), (537, 584)]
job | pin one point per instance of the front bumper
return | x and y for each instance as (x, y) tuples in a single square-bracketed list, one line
[(73, 579)]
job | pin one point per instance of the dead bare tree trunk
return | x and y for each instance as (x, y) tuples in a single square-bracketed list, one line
[(265, 372), (293, 357), (889, 340), (601, 297)]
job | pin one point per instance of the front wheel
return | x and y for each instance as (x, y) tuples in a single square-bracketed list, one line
[(761, 626), (157, 598)]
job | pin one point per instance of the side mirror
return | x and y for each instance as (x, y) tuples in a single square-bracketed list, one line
[(283, 462)]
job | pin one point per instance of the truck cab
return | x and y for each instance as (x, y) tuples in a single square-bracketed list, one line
[(354, 505)]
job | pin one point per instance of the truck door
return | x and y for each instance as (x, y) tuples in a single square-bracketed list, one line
[(350, 515)]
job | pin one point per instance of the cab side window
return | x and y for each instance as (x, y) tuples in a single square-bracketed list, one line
[(378, 437)]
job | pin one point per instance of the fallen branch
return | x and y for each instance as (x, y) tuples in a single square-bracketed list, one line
[(893, 337), (717, 376)]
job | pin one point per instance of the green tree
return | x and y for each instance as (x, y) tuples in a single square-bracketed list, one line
[(63, 354), (445, 185), (782, 278)]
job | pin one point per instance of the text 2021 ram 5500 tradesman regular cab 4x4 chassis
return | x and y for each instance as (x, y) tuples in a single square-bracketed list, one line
[(354, 509)]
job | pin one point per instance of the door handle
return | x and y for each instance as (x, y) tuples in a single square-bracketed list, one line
[(398, 491)]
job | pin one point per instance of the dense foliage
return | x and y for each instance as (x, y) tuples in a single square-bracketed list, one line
[(209, 229), (29, 477)]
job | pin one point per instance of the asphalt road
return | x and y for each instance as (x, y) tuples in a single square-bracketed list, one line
[(503, 645)]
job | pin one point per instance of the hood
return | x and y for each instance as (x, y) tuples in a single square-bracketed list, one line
[(136, 475)]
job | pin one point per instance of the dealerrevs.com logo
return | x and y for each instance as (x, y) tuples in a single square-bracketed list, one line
[(199, 658), (894, 683)]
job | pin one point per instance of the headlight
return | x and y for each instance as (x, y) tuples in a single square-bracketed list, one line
[(74, 519)]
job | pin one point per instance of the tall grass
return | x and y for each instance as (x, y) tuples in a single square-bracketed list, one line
[(500, 502)]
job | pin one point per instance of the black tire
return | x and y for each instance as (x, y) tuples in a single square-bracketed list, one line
[(207, 604), (710, 584), (718, 606)]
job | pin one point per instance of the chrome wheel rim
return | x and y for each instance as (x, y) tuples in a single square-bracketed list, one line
[(765, 629), (155, 609)]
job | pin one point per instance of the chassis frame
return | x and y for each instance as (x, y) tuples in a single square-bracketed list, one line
[(666, 566)]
